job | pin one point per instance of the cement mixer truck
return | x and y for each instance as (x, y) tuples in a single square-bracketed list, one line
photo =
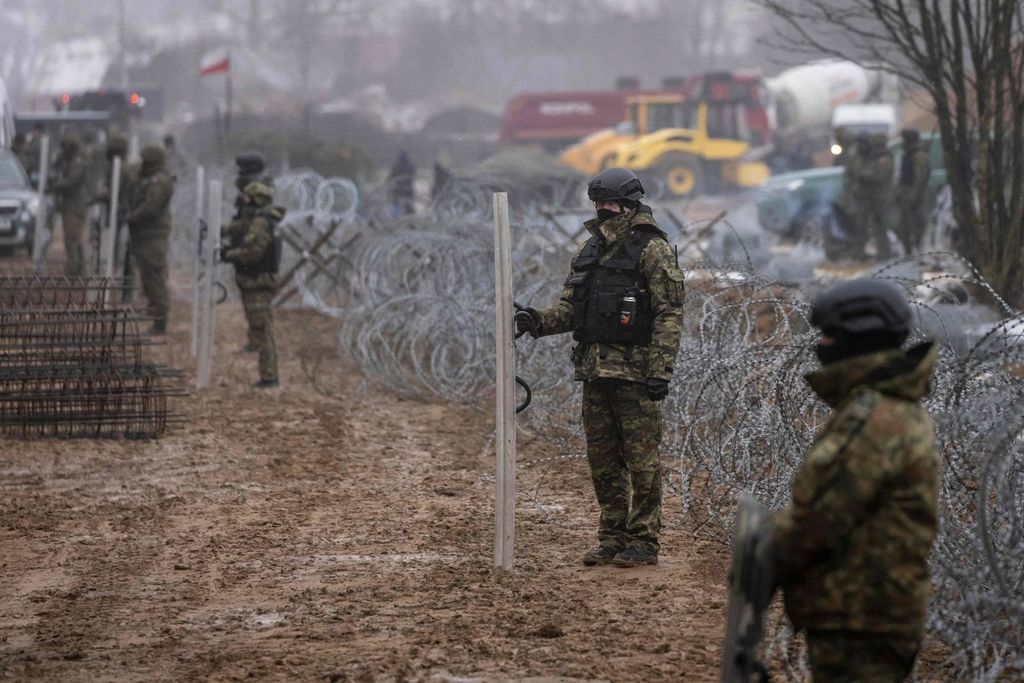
[(812, 99)]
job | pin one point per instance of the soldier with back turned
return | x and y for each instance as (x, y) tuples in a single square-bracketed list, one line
[(148, 214), (851, 547), (69, 186)]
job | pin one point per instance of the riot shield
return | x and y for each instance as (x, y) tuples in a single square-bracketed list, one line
[(751, 585)]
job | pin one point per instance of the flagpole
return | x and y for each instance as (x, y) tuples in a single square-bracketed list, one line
[(228, 96)]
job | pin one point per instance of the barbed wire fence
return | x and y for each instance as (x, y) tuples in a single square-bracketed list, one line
[(413, 297)]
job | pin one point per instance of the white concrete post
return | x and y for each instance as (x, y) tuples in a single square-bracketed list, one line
[(108, 238), (41, 235), (505, 406), (197, 262), (207, 305)]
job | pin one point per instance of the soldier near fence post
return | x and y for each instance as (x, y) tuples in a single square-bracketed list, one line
[(251, 167), (69, 187), (250, 244), (912, 191), (623, 302), (851, 547), (149, 227)]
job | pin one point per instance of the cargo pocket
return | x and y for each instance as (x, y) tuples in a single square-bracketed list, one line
[(674, 286)]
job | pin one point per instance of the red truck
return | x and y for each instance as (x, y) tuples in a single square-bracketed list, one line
[(556, 120)]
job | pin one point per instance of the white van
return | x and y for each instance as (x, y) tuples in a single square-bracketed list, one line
[(864, 118)]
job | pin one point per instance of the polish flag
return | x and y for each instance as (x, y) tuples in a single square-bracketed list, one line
[(218, 62)]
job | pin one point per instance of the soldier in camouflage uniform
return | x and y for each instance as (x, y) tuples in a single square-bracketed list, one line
[(850, 212), (912, 191), (69, 186), (149, 227), (874, 193), (251, 167), (851, 548), (250, 246), (623, 302)]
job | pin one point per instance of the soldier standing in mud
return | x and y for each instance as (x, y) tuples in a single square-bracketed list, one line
[(623, 302), (69, 187), (851, 548), (149, 225), (251, 167), (912, 191), (250, 246)]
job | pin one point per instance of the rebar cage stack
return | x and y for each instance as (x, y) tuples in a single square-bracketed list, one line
[(72, 363)]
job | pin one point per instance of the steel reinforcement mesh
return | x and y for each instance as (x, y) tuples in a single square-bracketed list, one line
[(72, 364)]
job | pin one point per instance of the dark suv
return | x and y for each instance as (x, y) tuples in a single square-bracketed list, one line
[(19, 204)]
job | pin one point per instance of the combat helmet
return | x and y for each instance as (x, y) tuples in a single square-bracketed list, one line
[(616, 185), (250, 163), (862, 316)]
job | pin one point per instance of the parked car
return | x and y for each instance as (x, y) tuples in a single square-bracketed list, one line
[(798, 205), (19, 204)]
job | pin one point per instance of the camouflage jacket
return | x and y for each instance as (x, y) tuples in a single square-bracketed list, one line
[(69, 183), (914, 194), (871, 176), (254, 234), (665, 282), (149, 202), (852, 545)]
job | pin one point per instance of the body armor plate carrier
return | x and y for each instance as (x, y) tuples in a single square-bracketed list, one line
[(270, 262), (610, 300)]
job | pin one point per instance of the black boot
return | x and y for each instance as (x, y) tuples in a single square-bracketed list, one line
[(159, 327), (635, 556), (266, 384), (602, 554)]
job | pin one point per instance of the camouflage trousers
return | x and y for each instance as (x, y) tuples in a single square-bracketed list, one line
[(73, 222), (913, 220), (149, 250), (853, 657), (623, 429), (256, 302)]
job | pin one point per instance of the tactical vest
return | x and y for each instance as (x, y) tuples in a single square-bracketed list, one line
[(611, 302), (270, 262)]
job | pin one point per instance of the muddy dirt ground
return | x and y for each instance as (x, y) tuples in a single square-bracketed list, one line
[(284, 535)]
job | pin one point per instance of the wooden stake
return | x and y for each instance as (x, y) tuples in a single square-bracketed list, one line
[(207, 304), (505, 406)]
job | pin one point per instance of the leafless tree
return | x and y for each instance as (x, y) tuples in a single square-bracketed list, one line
[(968, 55)]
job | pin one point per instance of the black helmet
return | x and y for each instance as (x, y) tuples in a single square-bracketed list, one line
[(910, 136), (615, 185), (862, 307), (250, 162)]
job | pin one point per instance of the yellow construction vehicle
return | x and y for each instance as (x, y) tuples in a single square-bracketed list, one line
[(644, 114), (705, 153)]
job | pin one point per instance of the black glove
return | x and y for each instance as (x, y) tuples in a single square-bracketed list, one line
[(225, 247), (527, 320), (657, 389)]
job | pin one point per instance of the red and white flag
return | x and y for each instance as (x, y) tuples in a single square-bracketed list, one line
[(217, 62)]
